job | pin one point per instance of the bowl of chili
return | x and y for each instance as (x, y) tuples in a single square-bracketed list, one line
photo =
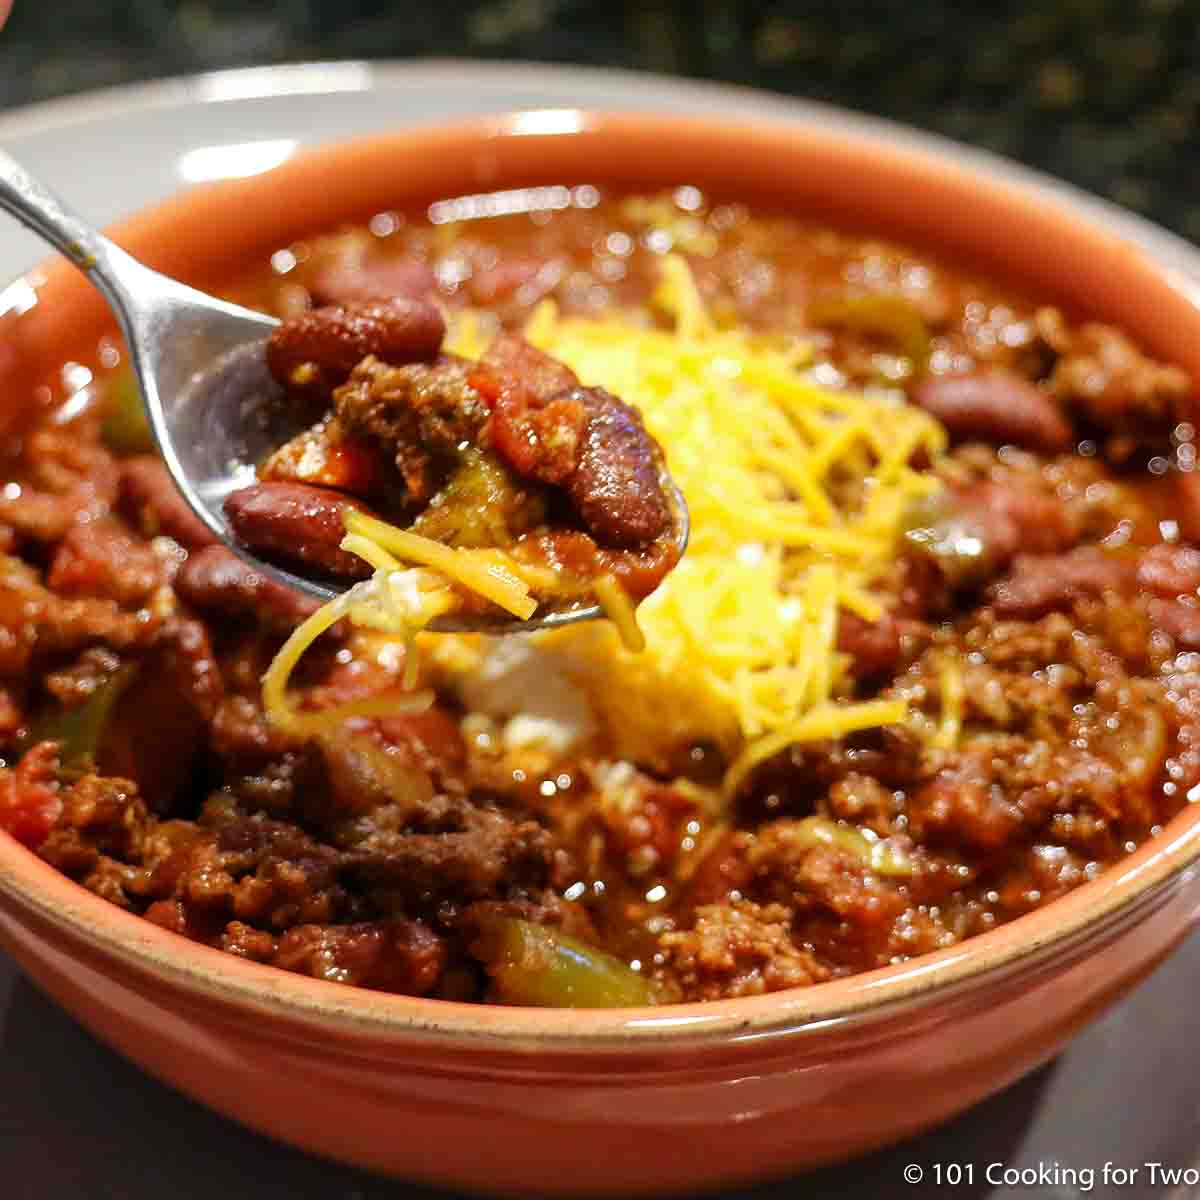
[(896, 796)]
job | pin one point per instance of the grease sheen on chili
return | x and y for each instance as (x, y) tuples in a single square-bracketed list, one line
[(1041, 621)]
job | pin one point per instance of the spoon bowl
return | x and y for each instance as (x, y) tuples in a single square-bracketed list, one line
[(211, 402), (227, 416)]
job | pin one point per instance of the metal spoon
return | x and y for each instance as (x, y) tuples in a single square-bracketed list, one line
[(210, 400)]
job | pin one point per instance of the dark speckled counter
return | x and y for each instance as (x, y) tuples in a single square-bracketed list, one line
[(1104, 93)]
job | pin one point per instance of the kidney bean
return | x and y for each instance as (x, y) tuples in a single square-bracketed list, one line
[(615, 486), (1043, 583), (997, 407), (157, 730), (102, 558), (319, 349), (346, 283), (155, 504), (874, 646), (972, 534), (587, 441), (293, 521), (1038, 521), (215, 580)]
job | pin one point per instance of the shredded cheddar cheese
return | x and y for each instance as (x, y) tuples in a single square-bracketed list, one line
[(827, 721), (395, 601), (386, 600), (953, 697), (618, 608), (480, 571), (797, 494)]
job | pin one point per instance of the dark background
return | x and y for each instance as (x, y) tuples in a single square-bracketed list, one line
[(1105, 93)]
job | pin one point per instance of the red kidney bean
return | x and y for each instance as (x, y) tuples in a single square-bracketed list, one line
[(874, 646), (344, 283), (295, 522), (215, 580), (155, 504), (616, 486), (1042, 583), (319, 349), (996, 407), (592, 444), (975, 532)]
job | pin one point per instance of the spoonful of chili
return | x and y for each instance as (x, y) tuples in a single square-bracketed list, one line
[(285, 437)]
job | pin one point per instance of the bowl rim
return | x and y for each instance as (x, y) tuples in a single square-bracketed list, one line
[(191, 967)]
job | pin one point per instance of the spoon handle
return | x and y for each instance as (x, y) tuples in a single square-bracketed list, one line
[(37, 208), (118, 275)]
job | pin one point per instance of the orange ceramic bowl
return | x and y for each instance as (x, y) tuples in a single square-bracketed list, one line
[(626, 1102)]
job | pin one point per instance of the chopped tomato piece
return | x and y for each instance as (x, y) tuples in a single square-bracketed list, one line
[(29, 802)]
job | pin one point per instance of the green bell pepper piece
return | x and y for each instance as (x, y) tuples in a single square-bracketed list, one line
[(125, 430), (80, 729), (534, 965)]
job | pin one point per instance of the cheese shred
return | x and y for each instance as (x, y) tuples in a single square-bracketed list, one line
[(797, 491), (278, 705), (477, 571), (798, 494), (618, 608), (828, 721), (953, 696), (398, 601)]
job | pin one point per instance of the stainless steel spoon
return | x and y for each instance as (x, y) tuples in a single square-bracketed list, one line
[(210, 400)]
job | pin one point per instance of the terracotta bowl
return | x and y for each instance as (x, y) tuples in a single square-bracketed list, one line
[(625, 1102)]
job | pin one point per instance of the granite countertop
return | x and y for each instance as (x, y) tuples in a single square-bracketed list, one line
[(1104, 93)]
